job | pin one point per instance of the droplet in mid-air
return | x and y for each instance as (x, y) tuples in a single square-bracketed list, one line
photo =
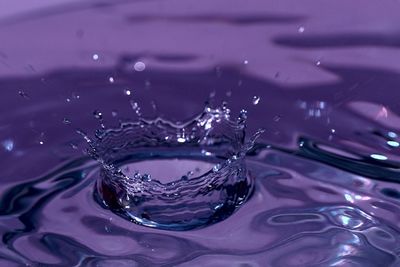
[(97, 114), (256, 100)]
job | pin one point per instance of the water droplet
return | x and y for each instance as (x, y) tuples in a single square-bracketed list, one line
[(84, 135), (301, 29), (147, 83), (8, 144), (146, 177), (243, 115), (245, 62), (181, 140), (98, 115), (333, 130), (111, 79), (114, 113), (75, 96), (139, 66), (318, 63), (73, 146), (217, 167), (392, 134), (277, 118), (256, 100), (23, 94), (212, 94), (66, 121), (127, 92), (41, 142), (95, 57), (135, 106)]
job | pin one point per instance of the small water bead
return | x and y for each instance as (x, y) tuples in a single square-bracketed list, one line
[(245, 62), (8, 145), (75, 96), (301, 29), (95, 57), (212, 94), (73, 146), (146, 177), (127, 92), (217, 167), (243, 115), (277, 118), (66, 121), (111, 79), (98, 115), (154, 106), (135, 106), (84, 135), (139, 66), (256, 100), (23, 94)]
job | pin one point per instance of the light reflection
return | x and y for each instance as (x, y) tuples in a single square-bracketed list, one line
[(393, 143), (349, 197), (378, 157), (314, 109)]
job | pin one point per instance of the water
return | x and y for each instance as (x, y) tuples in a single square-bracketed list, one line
[(322, 181), (173, 176)]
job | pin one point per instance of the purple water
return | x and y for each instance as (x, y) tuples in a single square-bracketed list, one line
[(320, 77)]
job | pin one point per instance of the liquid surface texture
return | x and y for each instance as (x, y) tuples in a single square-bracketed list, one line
[(321, 184)]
